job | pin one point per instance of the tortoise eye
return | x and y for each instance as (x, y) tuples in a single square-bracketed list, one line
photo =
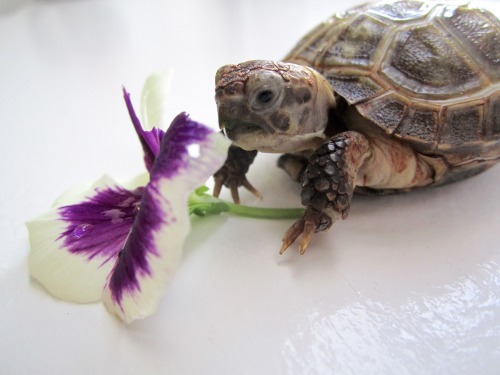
[(265, 96), (264, 90)]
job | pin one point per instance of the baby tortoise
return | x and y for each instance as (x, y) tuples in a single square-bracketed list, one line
[(388, 96)]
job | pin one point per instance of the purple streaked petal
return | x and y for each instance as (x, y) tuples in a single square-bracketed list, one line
[(132, 262), (154, 247), (150, 139), (74, 247), (99, 226), (182, 133)]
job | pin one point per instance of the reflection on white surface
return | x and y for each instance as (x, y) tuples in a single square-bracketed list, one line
[(408, 284), (437, 333)]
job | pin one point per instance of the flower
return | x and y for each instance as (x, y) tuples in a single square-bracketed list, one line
[(122, 244)]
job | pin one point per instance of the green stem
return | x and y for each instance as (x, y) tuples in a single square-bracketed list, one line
[(203, 204), (264, 212)]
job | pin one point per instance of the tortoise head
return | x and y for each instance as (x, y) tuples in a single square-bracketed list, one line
[(272, 106)]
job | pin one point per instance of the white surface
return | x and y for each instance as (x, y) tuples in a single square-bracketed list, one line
[(408, 284)]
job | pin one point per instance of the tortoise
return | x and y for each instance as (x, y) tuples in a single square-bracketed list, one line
[(386, 97)]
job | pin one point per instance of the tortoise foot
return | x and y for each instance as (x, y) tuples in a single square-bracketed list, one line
[(233, 173), (312, 221), (232, 181), (327, 186)]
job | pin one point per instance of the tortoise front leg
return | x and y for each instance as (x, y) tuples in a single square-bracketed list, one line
[(294, 165), (328, 185), (232, 173)]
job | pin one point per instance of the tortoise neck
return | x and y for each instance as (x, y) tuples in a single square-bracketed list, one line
[(336, 118)]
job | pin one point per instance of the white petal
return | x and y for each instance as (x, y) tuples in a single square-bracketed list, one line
[(64, 274), (154, 98)]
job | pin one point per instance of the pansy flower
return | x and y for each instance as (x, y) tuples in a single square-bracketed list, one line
[(122, 243)]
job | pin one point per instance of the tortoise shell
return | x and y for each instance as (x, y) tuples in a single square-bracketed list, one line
[(426, 72)]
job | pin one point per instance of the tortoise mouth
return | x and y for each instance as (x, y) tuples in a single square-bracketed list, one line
[(233, 128)]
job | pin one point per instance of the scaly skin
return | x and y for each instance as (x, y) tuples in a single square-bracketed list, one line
[(328, 185), (232, 173)]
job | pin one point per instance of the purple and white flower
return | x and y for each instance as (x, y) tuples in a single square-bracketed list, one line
[(122, 243)]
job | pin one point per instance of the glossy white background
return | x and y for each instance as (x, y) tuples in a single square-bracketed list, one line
[(409, 284)]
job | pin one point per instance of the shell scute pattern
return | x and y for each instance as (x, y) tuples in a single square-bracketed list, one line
[(425, 63), (402, 10), (426, 72), (354, 88), (388, 111), (460, 121), (420, 124), (356, 44), (492, 123), (478, 31)]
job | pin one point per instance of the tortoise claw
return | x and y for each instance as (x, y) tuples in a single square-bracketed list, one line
[(232, 173), (292, 234), (234, 194), (233, 184), (247, 185), (309, 230), (311, 222), (218, 183)]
